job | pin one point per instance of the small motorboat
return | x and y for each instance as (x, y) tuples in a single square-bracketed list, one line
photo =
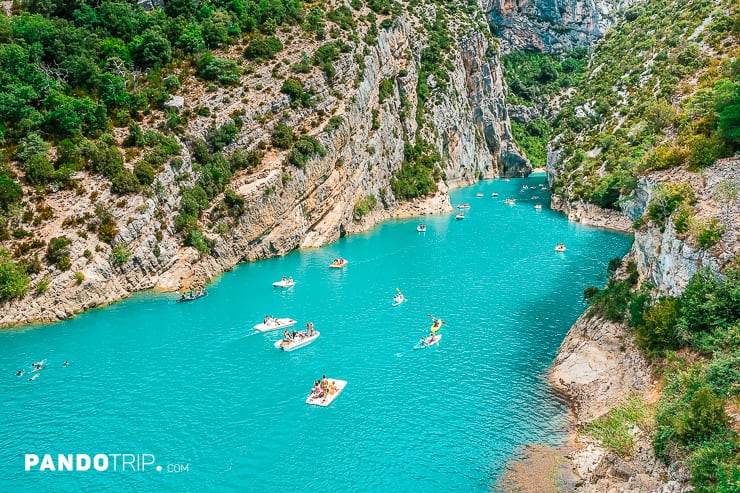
[(463, 206), (301, 339), (335, 388), (192, 295), (284, 283), (425, 342), (422, 228), (494, 194), (560, 247), (533, 188), (274, 324), (460, 215), (479, 194), (338, 263), (538, 207), (510, 201)]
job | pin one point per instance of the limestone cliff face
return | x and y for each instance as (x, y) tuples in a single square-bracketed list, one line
[(287, 207), (551, 26)]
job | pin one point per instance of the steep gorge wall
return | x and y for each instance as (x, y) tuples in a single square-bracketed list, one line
[(551, 26), (288, 208)]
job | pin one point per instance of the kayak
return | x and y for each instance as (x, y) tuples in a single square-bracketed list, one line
[(428, 341), (286, 283), (397, 302), (274, 324), (297, 342), (336, 388)]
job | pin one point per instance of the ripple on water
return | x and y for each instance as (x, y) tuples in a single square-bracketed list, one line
[(192, 383)]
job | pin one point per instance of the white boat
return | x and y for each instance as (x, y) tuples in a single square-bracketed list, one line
[(560, 247), (510, 201), (460, 215), (463, 206), (398, 299), (538, 207), (422, 228), (533, 188), (479, 194), (34, 377), (494, 194), (298, 341), (506, 179), (284, 283), (39, 363), (338, 263), (336, 387), (428, 341), (274, 324)]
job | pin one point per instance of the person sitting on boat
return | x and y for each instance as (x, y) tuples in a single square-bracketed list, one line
[(286, 336), (285, 278), (317, 391), (290, 279), (65, 364)]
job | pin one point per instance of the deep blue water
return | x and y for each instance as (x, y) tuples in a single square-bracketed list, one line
[(192, 385)]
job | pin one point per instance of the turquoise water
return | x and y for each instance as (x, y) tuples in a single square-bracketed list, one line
[(191, 384)]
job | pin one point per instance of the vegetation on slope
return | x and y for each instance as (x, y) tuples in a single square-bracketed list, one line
[(662, 90), (694, 339)]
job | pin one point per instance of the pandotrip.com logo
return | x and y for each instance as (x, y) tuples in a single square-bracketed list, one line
[(129, 463)]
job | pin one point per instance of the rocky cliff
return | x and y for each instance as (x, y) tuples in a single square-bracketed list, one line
[(288, 207), (551, 26)]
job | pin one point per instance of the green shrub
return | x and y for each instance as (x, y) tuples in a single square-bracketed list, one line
[(304, 149), (39, 171), (125, 182), (79, 277), (614, 428), (11, 193), (656, 330), (418, 174), (334, 123), (57, 252), (703, 151), (385, 89), (710, 234), (666, 198), (225, 72), (282, 136), (262, 48), (220, 137), (294, 89), (234, 202), (119, 255), (342, 16), (14, 282), (144, 172)]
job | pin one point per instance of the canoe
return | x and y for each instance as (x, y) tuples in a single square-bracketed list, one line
[(333, 394), (297, 342), (274, 324), (427, 343), (339, 265), (287, 283)]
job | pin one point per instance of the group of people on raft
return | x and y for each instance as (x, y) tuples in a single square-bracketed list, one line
[(193, 295), (322, 388), (338, 261), (289, 337)]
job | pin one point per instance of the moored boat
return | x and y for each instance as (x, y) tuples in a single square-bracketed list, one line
[(422, 228), (479, 194), (538, 207), (326, 397), (460, 215), (463, 206), (272, 323), (301, 339), (494, 194)]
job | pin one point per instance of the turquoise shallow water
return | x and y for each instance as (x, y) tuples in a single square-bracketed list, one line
[(188, 383)]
